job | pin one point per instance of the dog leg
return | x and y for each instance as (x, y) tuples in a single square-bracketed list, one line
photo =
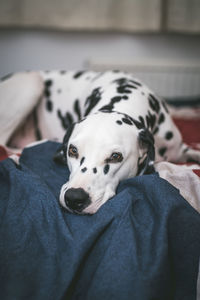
[(188, 154), (170, 145), (19, 94)]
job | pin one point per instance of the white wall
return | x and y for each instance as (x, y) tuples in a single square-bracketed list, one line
[(40, 49)]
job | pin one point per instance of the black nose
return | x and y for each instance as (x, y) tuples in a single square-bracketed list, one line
[(77, 199)]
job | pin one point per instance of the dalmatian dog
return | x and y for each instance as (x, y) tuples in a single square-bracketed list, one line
[(114, 128)]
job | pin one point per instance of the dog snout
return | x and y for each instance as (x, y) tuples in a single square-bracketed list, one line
[(77, 199)]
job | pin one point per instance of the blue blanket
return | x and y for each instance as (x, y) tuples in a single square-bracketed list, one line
[(142, 244)]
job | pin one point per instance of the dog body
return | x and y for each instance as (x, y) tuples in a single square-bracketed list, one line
[(112, 121), (69, 97)]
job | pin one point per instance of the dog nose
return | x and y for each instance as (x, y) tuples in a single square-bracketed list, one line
[(77, 199)]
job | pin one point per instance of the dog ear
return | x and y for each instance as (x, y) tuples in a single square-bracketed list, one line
[(146, 161), (60, 156)]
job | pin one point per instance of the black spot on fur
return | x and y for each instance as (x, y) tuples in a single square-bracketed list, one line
[(82, 160), (162, 151), (48, 82), (66, 120), (106, 108), (77, 109), (124, 80), (119, 122), (150, 120), (165, 106), (49, 105), (84, 170), (78, 74), (69, 118), (116, 99), (155, 130), (141, 119), (154, 104), (47, 93), (130, 121), (59, 91), (92, 100), (94, 170), (6, 77), (127, 121), (138, 124), (62, 119), (110, 106), (186, 149), (124, 89), (38, 134), (161, 118), (169, 135), (121, 81), (62, 72), (125, 85), (106, 169)]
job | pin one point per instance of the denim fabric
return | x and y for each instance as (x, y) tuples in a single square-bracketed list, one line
[(142, 244)]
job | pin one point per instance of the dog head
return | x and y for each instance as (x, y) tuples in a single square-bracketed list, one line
[(100, 151)]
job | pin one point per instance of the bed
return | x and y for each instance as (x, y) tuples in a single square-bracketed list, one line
[(142, 244)]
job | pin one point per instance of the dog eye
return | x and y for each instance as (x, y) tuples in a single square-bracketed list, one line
[(73, 151), (115, 157)]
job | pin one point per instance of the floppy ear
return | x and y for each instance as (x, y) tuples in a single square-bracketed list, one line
[(146, 144), (60, 156)]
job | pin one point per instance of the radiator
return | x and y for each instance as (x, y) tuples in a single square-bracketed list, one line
[(168, 79)]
